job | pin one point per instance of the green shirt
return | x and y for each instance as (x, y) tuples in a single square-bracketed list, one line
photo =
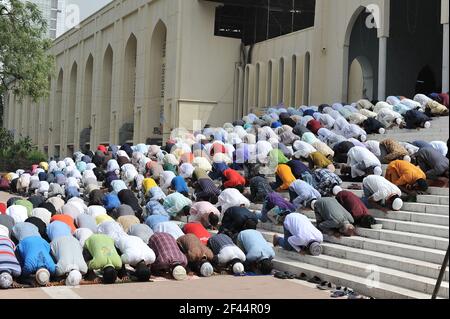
[(25, 203), (104, 253)]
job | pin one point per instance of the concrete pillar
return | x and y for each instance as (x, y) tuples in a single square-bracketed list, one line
[(382, 57), (445, 57)]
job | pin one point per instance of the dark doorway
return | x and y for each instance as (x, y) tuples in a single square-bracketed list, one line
[(426, 82)]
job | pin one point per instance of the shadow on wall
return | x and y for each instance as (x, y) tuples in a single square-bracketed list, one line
[(126, 133)]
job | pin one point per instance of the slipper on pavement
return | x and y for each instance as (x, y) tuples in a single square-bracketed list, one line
[(338, 294), (302, 276), (315, 280)]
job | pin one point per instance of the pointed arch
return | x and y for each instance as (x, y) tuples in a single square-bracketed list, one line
[(257, 83), (58, 108), (88, 84), (129, 87), (294, 81), (156, 114), (106, 91), (269, 83), (72, 104), (281, 81), (306, 78)]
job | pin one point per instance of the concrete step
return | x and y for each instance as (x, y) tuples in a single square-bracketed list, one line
[(413, 217), (439, 220), (433, 199), (376, 273), (359, 284), (393, 221), (426, 208), (418, 240), (421, 199), (410, 265), (413, 227), (439, 191), (379, 245), (397, 249)]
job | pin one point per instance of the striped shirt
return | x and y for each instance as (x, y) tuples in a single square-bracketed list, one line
[(207, 186), (8, 260), (218, 242), (168, 254)]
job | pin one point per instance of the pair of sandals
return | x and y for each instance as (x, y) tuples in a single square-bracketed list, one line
[(288, 275), (355, 187)]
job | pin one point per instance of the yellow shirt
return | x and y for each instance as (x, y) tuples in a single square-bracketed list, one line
[(148, 184), (320, 160), (102, 218), (284, 172), (403, 173)]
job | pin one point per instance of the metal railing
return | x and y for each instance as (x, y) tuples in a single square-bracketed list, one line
[(441, 276)]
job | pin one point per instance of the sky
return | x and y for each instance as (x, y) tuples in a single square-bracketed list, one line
[(88, 7)]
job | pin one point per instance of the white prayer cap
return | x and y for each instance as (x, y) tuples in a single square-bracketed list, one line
[(398, 121), (42, 276), (179, 273), (397, 204), (74, 278), (381, 131), (363, 138), (337, 190), (238, 268), (6, 280), (427, 124), (407, 158), (206, 270), (313, 204), (378, 171)]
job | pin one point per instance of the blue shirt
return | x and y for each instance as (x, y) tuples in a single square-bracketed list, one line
[(58, 229), (34, 254), (255, 246), (179, 184), (153, 220), (111, 201), (155, 208), (304, 191)]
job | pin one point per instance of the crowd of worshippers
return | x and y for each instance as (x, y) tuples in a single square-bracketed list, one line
[(136, 211)]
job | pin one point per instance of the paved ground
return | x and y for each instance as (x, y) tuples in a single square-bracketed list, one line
[(217, 287)]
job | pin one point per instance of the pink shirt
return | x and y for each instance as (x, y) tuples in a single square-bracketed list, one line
[(200, 212)]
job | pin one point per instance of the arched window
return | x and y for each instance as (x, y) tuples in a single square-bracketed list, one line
[(306, 76), (105, 114), (70, 116), (294, 81), (281, 81), (257, 80), (269, 84)]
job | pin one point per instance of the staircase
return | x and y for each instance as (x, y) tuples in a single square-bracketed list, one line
[(403, 260)]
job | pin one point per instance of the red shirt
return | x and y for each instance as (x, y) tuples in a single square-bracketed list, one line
[(198, 230), (2, 208), (65, 219), (314, 126), (352, 203), (233, 178), (102, 148)]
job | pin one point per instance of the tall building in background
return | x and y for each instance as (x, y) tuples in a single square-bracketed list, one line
[(53, 13)]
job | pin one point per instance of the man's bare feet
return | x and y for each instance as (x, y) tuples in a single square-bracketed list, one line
[(275, 240)]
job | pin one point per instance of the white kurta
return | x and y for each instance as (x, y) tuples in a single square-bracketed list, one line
[(302, 230), (380, 188), (134, 250), (358, 155)]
